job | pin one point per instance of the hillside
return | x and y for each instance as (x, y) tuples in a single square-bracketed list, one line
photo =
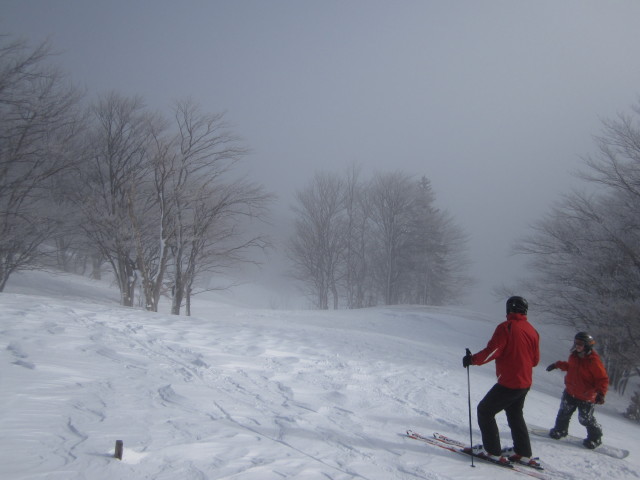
[(242, 393)]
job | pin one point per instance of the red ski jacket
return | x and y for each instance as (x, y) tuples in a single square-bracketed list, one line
[(515, 346), (585, 376)]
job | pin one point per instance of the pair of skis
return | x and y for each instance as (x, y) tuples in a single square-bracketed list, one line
[(455, 446)]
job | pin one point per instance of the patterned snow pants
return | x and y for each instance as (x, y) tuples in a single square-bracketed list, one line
[(568, 406)]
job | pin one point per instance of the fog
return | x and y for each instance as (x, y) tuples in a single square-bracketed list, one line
[(496, 102)]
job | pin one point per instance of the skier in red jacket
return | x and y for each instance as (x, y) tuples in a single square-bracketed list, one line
[(515, 347), (586, 384)]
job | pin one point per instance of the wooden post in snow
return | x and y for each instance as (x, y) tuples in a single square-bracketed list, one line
[(119, 448)]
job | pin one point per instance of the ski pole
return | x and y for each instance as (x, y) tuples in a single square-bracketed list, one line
[(469, 399)]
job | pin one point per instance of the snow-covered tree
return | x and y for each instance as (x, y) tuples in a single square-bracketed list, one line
[(438, 265), (39, 118)]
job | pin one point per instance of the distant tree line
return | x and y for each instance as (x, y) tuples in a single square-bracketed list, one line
[(586, 251), (152, 197), (382, 241), (112, 185)]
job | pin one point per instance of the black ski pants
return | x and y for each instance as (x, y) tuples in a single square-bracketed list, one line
[(568, 406), (512, 402)]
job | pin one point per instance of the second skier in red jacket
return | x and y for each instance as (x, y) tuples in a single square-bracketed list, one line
[(586, 385)]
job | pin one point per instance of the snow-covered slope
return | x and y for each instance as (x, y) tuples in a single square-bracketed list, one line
[(257, 394)]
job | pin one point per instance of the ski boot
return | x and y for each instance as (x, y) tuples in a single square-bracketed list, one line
[(591, 443), (479, 451), (557, 434), (533, 462)]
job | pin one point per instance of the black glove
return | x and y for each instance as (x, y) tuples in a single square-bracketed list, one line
[(551, 367), (467, 359), (599, 398)]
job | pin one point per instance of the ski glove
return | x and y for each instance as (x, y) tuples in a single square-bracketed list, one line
[(599, 398), (467, 359), (551, 367)]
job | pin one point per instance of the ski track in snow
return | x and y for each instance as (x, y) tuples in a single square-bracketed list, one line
[(245, 395)]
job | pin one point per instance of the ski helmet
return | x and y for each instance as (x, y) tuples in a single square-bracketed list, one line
[(585, 338), (517, 305)]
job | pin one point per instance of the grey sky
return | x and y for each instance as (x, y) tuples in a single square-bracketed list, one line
[(494, 101)]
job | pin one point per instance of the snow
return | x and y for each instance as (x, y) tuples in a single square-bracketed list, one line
[(248, 393)]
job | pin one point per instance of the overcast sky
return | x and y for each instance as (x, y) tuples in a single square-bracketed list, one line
[(494, 101)]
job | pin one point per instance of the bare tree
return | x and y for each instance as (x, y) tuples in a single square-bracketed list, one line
[(151, 207), (38, 120), (392, 199), (217, 239), (586, 251), (356, 281), (116, 166), (208, 206), (318, 243)]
